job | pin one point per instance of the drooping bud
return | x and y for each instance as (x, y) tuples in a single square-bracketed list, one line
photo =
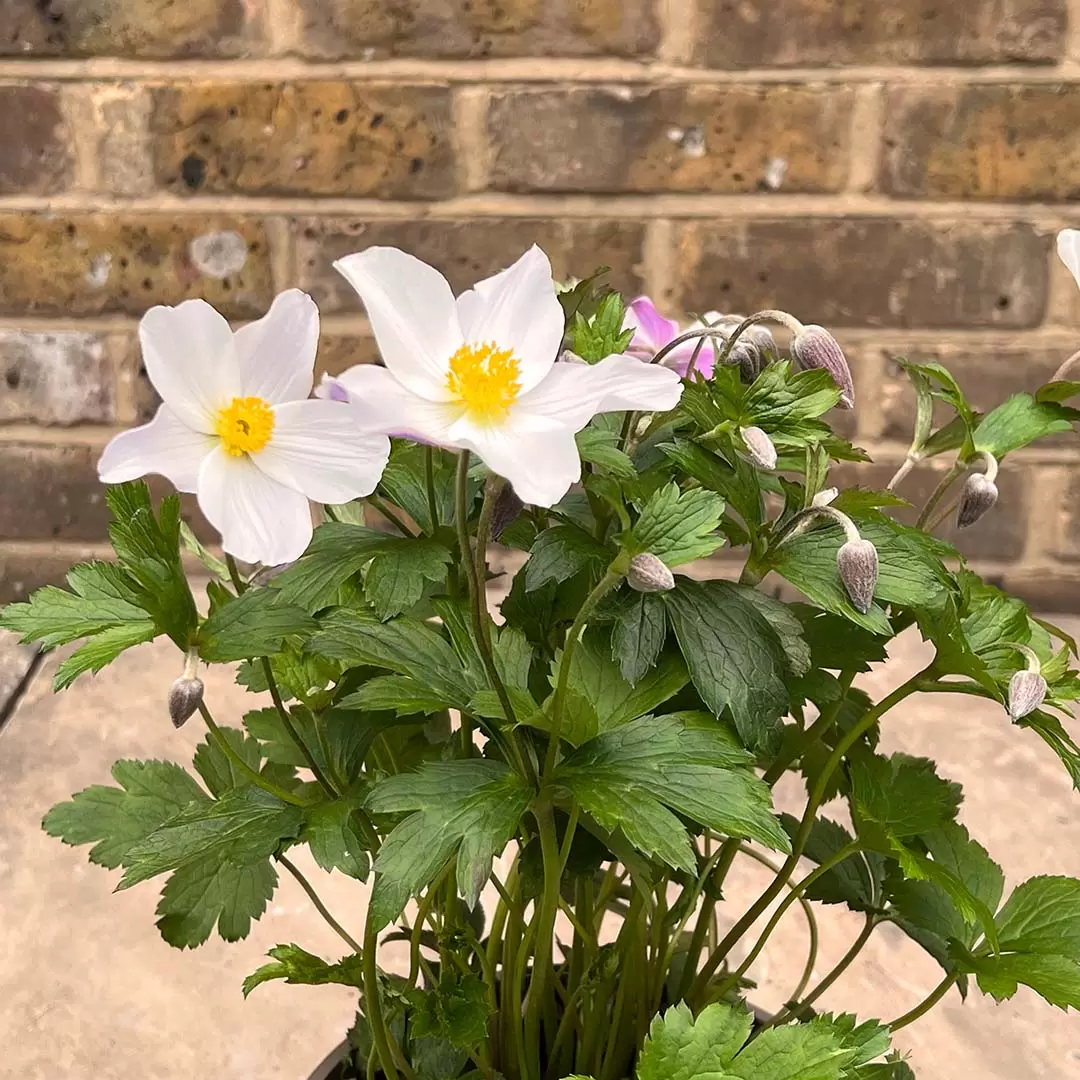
[(647, 574), (825, 496), (760, 450), (978, 496), (507, 507), (814, 347), (748, 357), (1027, 691), (857, 565), (185, 696)]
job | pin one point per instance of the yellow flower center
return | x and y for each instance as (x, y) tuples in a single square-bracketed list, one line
[(245, 425), (484, 379)]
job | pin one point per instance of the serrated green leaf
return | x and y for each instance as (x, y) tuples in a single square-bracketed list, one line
[(898, 797), (336, 841), (679, 526), (254, 624), (396, 579), (561, 552), (397, 693), (1042, 916), (639, 634), (598, 446), (1054, 978), (102, 649), (299, 967), (1019, 421), (456, 1010), (217, 768), (856, 881)]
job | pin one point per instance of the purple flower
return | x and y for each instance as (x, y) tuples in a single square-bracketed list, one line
[(652, 332)]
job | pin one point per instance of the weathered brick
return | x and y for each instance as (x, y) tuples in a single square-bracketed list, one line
[(690, 138), (1002, 534), (90, 264), (868, 271), (1068, 543), (987, 374), (1045, 589), (983, 142), (113, 122), (34, 154), (467, 250), (51, 492), (123, 27), (450, 28), (338, 352), (804, 33), (59, 378), (22, 572), (317, 138)]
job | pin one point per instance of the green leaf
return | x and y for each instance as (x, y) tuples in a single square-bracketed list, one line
[(1042, 916), (639, 634), (397, 693), (602, 335), (561, 552), (787, 626), (627, 777), (735, 657), (456, 1010), (737, 481), (396, 579), (216, 767), (599, 447), (115, 819), (898, 797), (403, 482), (471, 807), (254, 624), (1058, 391), (299, 967), (1056, 979), (1019, 421), (856, 881), (193, 544), (243, 827), (102, 649), (335, 839), (837, 644), (679, 526), (1051, 730)]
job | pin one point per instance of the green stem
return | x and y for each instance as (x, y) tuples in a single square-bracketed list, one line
[(238, 582), (294, 734), (390, 516), (239, 763), (939, 493), (817, 797), (380, 1036), (607, 583), (925, 1005), (545, 927), (811, 735), (320, 907), (429, 483)]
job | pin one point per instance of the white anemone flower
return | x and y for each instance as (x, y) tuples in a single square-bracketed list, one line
[(237, 426), (479, 373), (1068, 249)]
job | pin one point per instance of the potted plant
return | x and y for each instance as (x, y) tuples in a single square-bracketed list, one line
[(616, 730)]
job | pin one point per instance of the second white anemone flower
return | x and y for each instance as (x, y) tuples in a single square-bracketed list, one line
[(237, 427), (479, 373)]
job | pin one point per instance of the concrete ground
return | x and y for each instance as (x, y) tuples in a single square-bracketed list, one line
[(91, 992)]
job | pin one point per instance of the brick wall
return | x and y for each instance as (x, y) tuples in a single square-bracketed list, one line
[(895, 169)]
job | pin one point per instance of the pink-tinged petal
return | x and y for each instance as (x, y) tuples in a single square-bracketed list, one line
[(651, 330), (412, 313), (385, 406), (320, 449), (260, 520), (540, 467), (277, 353), (517, 309), (166, 446), (190, 358), (1068, 249)]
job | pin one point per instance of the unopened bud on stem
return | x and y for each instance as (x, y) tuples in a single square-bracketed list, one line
[(186, 694), (825, 496), (857, 565), (1027, 688), (814, 347), (507, 507), (979, 493), (648, 574), (760, 450)]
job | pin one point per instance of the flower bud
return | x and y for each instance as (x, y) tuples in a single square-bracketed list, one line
[(825, 496), (507, 507), (1027, 690), (857, 565), (759, 447), (978, 496), (814, 347), (648, 574), (747, 355), (185, 696)]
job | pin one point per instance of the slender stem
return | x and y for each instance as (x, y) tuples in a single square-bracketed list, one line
[(239, 763), (238, 582), (290, 727), (380, 1036), (925, 1005), (390, 516), (607, 583), (947, 512), (1065, 367), (817, 797), (939, 493), (908, 464), (789, 322), (429, 483), (544, 922), (320, 907), (851, 531), (799, 1007)]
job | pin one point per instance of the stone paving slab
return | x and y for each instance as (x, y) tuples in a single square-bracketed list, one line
[(91, 992)]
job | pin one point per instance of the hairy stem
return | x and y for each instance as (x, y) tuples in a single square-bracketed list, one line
[(320, 907), (429, 484), (939, 493), (925, 1005)]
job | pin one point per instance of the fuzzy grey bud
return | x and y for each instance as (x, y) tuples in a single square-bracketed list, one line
[(857, 565), (825, 496), (979, 495), (814, 347), (185, 696), (760, 449), (1027, 691), (648, 574), (748, 357), (507, 507)]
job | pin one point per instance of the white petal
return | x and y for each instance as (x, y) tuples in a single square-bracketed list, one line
[(540, 467), (572, 394), (412, 313), (1068, 248), (191, 360), (320, 448), (387, 406), (277, 353), (518, 309), (165, 446), (259, 519)]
